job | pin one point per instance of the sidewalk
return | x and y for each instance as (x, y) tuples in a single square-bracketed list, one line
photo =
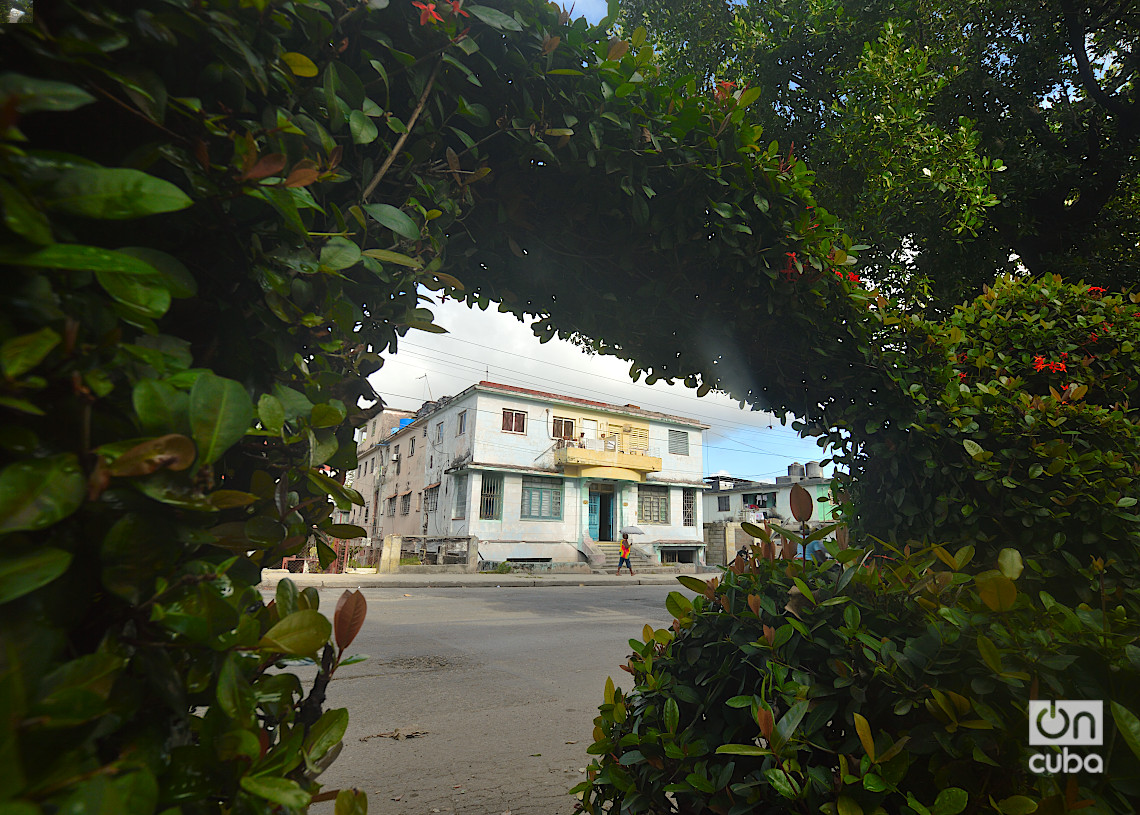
[(270, 578)]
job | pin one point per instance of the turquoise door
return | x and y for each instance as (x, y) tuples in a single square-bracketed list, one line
[(595, 514)]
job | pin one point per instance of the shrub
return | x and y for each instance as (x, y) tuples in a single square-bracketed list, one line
[(866, 685)]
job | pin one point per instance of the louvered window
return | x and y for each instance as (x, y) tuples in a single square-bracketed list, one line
[(541, 499), (678, 443)]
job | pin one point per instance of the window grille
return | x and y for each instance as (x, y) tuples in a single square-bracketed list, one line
[(392, 507), (405, 503), (491, 497), (462, 423), (722, 503), (460, 496), (439, 432), (678, 443), (563, 428), (541, 499), (689, 507), (431, 499), (652, 504), (412, 447), (514, 421)]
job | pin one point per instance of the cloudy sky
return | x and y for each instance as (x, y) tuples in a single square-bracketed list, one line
[(488, 345), (497, 347)]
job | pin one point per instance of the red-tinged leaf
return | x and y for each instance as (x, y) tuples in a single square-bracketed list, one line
[(174, 452), (769, 634), (618, 49), (349, 616), (754, 605), (766, 722), (302, 177), (266, 166), (335, 156)]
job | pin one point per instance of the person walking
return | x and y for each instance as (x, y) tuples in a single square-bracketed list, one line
[(624, 555)]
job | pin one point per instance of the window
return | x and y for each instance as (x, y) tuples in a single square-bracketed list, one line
[(412, 447), (514, 421), (365, 513), (541, 499), (431, 498), (419, 501), (439, 432), (639, 440), (405, 503), (460, 496), (461, 423), (563, 428), (652, 504), (689, 507), (396, 458), (678, 443), (491, 497), (431, 462), (722, 503), (392, 507)]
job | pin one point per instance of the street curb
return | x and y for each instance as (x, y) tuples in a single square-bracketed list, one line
[(370, 582)]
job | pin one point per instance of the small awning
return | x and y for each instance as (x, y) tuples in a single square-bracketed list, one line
[(433, 486), (402, 494)]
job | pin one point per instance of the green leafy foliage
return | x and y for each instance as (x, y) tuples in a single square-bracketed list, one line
[(900, 689)]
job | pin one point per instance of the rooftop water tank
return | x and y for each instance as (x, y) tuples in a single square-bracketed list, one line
[(796, 470), (813, 470)]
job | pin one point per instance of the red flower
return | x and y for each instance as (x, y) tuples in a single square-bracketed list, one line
[(789, 271), (1096, 290), (962, 376), (1092, 337), (1039, 363), (723, 89), (854, 278), (457, 8), (1064, 355), (427, 13), (1057, 366)]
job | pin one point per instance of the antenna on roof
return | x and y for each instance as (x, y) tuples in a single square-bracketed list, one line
[(426, 385)]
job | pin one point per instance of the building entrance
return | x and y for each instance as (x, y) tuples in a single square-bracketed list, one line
[(602, 512)]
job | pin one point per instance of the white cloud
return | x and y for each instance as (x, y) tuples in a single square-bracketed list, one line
[(497, 347)]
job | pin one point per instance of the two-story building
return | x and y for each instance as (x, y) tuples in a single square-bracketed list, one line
[(535, 476)]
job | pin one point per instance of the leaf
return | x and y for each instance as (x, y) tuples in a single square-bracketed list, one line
[(326, 733), (996, 590), (672, 715), (494, 18), (974, 449), (278, 790), (1010, 563), (347, 531), (990, 654), (743, 750), (950, 801), (220, 414), (114, 193), (300, 64), (1016, 805), (678, 604), (1128, 726), (693, 583), (270, 412), (173, 451), (38, 493), (863, 728), (848, 806), (159, 406), (146, 292), (362, 128), (77, 256), (229, 690), (34, 94), (176, 278), (268, 165), (354, 801), (349, 616), (339, 253), (747, 97), (801, 503), (787, 725), (393, 257), (301, 633), (22, 217), (302, 177), (20, 354), (387, 215), (23, 574)]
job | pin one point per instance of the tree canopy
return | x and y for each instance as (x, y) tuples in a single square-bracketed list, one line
[(948, 136)]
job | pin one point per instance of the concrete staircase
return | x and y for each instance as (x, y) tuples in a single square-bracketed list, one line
[(641, 563)]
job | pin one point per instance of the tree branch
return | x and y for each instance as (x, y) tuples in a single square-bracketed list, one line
[(404, 136), (1076, 36)]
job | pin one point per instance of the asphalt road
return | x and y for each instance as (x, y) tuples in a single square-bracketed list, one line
[(499, 686)]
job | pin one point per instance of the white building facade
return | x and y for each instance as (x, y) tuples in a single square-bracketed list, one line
[(535, 476)]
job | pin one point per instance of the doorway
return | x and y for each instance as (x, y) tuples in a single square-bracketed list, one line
[(602, 512)]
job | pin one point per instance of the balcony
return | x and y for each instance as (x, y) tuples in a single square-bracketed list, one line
[(603, 458)]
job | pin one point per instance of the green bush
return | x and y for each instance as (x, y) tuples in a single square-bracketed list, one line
[(895, 685)]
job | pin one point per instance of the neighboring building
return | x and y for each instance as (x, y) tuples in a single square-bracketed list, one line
[(731, 501), (371, 441), (533, 476)]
